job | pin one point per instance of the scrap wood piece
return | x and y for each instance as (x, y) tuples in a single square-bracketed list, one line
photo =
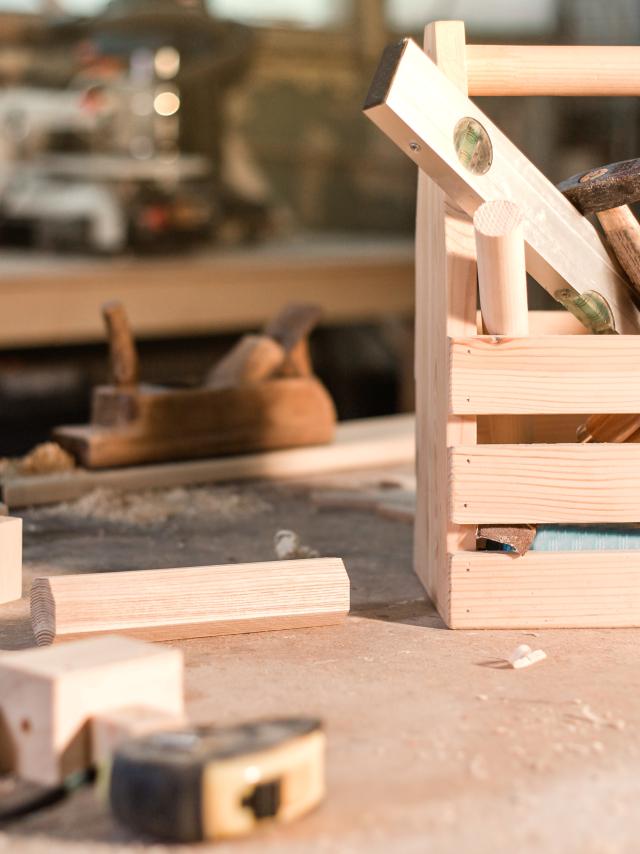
[(191, 602), (519, 537), (358, 445), (472, 161), (48, 696)]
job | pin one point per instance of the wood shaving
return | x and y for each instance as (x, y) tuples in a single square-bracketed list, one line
[(47, 458), (287, 546), (523, 656)]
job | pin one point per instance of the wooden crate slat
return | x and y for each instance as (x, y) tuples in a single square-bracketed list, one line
[(555, 374), (564, 483), (554, 589), (570, 70)]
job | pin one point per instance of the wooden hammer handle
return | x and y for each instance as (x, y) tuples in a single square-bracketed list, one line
[(623, 233)]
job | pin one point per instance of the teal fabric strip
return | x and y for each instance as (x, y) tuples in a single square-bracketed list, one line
[(570, 538)]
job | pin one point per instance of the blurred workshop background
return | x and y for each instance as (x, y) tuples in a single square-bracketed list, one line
[(206, 162)]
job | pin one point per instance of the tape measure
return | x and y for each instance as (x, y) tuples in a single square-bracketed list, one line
[(207, 783)]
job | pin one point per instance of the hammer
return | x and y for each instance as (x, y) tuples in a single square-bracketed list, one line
[(607, 192)]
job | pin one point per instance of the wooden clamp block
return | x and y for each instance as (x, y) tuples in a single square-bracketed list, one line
[(112, 727), (48, 696), (10, 559), (192, 602)]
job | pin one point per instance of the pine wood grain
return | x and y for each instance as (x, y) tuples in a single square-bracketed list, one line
[(47, 697), (445, 305), (419, 108), (573, 70), (502, 277), (10, 559), (562, 590), (504, 484), (555, 374), (166, 604), (358, 444)]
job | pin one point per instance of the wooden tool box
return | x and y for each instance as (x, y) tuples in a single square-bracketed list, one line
[(475, 392)]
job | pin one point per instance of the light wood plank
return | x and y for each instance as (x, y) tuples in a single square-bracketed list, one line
[(553, 323), (48, 696), (504, 484), (418, 108), (55, 300), (10, 559), (191, 602), (358, 444), (573, 70), (445, 302), (555, 374), (545, 589)]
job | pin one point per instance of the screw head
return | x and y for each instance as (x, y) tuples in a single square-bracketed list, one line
[(415, 146)]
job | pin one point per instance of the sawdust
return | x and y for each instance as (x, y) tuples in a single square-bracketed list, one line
[(154, 506)]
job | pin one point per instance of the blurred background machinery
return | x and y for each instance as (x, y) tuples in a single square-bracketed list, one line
[(134, 130)]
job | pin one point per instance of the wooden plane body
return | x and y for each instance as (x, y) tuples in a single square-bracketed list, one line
[(149, 423)]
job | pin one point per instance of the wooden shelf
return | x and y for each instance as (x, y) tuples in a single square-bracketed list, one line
[(53, 300)]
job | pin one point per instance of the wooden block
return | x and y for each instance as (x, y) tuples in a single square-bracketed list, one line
[(505, 484), (493, 590), (555, 374), (10, 559), (446, 304), (166, 604), (358, 444), (47, 697), (413, 102), (573, 70), (111, 727)]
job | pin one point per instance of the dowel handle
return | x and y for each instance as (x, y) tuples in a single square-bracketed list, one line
[(571, 70), (502, 275), (623, 233)]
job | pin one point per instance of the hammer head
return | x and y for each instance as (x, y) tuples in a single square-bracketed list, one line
[(605, 187)]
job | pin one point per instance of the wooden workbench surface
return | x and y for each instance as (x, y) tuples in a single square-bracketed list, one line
[(56, 299), (433, 744)]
